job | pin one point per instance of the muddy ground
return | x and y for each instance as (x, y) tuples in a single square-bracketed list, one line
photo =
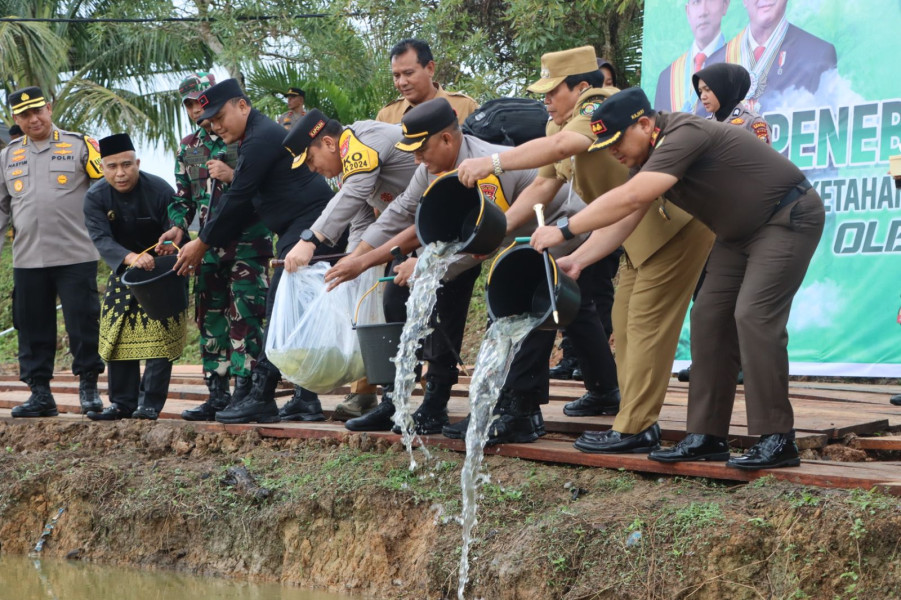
[(349, 516)]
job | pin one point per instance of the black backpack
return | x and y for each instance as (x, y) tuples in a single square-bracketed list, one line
[(508, 121)]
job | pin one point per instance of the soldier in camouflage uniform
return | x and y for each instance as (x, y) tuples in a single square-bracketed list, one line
[(232, 282)]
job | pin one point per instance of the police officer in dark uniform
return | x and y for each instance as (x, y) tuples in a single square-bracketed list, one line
[(287, 200), (43, 178)]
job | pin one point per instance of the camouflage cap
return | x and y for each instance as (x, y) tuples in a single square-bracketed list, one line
[(557, 66), (193, 85)]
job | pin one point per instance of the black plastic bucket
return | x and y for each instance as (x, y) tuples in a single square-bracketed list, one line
[(378, 345), (161, 292), (449, 211), (518, 284)]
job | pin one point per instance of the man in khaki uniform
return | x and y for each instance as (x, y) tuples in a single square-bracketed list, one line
[(413, 68), (665, 249), (43, 179)]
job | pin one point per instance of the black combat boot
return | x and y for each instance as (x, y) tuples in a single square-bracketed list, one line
[(304, 406), (40, 403), (514, 424), (431, 416), (243, 385), (457, 431), (88, 396), (379, 419), (218, 400), (258, 406)]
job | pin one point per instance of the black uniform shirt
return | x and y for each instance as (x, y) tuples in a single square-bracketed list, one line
[(287, 200), (122, 223)]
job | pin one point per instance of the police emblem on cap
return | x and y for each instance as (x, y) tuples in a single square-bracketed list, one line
[(545, 73), (25, 96), (598, 127)]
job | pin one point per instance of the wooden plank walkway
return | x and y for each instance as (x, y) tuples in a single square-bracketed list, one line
[(823, 412)]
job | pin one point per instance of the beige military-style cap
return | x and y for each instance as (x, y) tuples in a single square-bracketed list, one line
[(557, 66)]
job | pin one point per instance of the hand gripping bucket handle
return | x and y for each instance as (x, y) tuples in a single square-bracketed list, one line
[(378, 343), (161, 292)]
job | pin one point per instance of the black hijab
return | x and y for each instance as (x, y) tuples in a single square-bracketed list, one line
[(730, 83)]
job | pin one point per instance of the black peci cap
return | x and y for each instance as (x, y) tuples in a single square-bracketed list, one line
[(214, 98), (424, 120), (302, 135), (616, 114), (114, 144), (22, 100)]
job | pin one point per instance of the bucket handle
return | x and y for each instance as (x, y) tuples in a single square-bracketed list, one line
[(353, 323), (148, 249)]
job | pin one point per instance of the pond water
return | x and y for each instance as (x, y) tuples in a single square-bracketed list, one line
[(23, 578)]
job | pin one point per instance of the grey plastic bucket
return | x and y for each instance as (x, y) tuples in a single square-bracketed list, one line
[(161, 292), (378, 345)]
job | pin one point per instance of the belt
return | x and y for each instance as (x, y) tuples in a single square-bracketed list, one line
[(792, 195)]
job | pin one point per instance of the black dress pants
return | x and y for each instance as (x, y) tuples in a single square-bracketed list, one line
[(34, 316), (448, 320), (128, 389)]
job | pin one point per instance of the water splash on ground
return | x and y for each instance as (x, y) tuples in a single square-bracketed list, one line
[(501, 342)]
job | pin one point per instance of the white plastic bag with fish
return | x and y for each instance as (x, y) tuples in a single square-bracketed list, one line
[(311, 338)]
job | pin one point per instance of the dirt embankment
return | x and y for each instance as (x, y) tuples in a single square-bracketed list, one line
[(350, 517)]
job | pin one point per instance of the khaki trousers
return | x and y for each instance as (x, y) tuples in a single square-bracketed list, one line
[(648, 312), (740, 316)]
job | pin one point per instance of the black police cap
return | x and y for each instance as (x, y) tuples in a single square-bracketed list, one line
[(616, 114), (295, 91), (424, 120), (22, 100), (302, 135), (114, 144), (214, 98)]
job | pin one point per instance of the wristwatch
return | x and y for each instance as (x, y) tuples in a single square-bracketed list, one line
[(563, 225), (307, 235)]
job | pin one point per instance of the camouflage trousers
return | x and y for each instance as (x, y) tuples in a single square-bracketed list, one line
[(230, 301)]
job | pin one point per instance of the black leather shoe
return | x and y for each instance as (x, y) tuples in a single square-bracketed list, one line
[(896, 399), (694, 446), (88, 396), (379, 419), (564, 369), (39, 404), (457, 431), (577, 374), (304, 406), (614, 442), (591, 404), (145, 413), (685, 374), (771, 451), (113, 412)]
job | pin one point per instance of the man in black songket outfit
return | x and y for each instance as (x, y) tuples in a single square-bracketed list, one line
[(125, 214)]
